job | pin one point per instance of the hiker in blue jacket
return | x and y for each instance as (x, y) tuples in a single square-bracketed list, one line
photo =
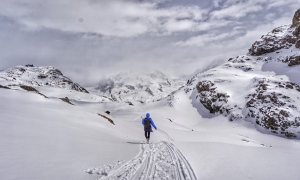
[(147, 122)]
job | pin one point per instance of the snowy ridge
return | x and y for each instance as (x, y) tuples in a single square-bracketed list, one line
[(282, 37), (29, 75), (261, 87), (142, 87)]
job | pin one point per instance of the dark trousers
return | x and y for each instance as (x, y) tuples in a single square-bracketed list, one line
[(147, 134)]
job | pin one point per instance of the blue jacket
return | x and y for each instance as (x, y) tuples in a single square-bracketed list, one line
[(152, 123)]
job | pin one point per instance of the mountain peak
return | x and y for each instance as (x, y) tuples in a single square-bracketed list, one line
[(279, 38), (29, 75), (296, 18)]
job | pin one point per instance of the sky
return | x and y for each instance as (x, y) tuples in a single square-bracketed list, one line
[(90, 39)]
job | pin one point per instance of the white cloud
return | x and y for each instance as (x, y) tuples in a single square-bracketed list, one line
[(121, 18), (207, 39), (236, 11), (281, 3)]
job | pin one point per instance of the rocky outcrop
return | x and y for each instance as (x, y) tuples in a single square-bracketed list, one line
[(66, 100), (296, 19), (29, 88), (211, 99), (4, 87), (271, 109), (292, 60), (280, 38)]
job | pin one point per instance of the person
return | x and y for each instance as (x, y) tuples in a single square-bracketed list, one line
[(148, 123)]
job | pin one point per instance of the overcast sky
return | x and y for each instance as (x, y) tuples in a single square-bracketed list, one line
[(88, 39)]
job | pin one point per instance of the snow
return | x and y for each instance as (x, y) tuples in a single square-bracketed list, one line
[(293, 73), (49, 139)]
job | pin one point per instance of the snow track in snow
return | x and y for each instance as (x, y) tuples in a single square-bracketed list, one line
[(156, 160)]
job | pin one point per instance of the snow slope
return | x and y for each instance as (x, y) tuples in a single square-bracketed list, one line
[(45, 138)]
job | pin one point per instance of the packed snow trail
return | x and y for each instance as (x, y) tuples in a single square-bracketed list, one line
[(156, 160)]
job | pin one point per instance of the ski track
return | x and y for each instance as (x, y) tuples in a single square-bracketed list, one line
[(156, 160)]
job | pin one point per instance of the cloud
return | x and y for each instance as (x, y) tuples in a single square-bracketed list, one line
[(207, 39), (236, 11), (121, 18)]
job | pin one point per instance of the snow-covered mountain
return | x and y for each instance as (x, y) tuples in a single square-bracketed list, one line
[(138, 86), (29, 75), (261, 87)]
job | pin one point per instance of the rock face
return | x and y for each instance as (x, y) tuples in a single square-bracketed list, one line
[(280, 38), (296, 18), (29, 75), (271, 109), (214, 101)]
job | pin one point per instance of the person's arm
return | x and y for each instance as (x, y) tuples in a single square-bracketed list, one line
[(143, 121), (152, 123)]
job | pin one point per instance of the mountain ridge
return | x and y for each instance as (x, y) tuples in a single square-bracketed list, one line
[(261, 87), (29, 75)]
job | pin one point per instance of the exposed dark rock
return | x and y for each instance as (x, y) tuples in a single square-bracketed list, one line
[(293, 60), (280, 38), (244, 67), (55, 72), (107, 112), (273, 41), (130, 87), (296, 18), (149, 91), (4, 87), (239, 59), (297, 45), (67, 100), (110, 120), (266, 108), (29, 65), (29, 88), (77, 87), (42, 76), (211, 99)]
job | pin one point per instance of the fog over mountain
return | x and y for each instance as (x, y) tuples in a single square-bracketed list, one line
[(90, 39)]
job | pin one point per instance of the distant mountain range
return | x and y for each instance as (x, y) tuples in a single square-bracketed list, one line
[(141, 87)]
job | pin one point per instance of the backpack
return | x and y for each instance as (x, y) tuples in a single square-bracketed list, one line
[(147, 123)]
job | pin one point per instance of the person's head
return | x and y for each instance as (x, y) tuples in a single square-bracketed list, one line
[(148, 115)]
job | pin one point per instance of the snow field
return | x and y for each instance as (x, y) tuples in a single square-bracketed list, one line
[(50, 139)]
